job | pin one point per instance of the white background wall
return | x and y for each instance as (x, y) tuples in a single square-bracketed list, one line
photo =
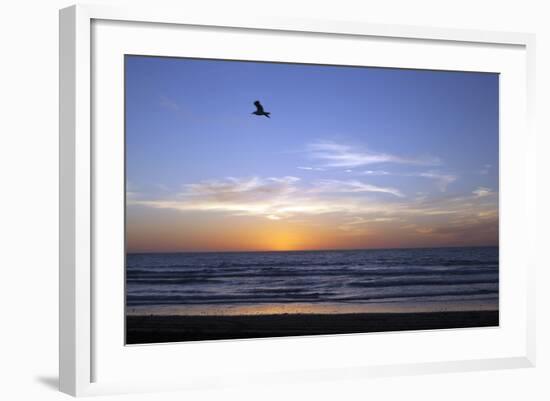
[(29, 185)]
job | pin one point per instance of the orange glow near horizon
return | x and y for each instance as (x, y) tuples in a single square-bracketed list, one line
[(255, 235), (284, 241), (171, 231)]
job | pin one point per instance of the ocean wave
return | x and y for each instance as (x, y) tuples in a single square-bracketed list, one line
[(313, 277)]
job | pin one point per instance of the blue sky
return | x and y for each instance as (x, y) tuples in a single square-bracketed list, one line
[(344, 145)]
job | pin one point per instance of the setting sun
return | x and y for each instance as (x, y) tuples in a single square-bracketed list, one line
[(284, 241)]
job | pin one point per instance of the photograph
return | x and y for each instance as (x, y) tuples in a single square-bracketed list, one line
[(275, 199)]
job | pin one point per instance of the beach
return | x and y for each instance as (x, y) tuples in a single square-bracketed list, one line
[(173, 328)]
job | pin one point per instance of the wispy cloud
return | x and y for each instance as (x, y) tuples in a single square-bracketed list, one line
[(273, 198), (352, 186), (359, 225), (481, 192), (442, 180), (277, 198), (233, 188), (338, 155), (424, 230), (309, 168), (376, 172)]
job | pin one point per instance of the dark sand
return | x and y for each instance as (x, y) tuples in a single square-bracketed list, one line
[(160, 329)]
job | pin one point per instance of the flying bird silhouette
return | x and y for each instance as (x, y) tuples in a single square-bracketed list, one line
[(260, 110)]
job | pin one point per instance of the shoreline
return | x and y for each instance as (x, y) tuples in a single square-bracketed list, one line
[(148, 329)]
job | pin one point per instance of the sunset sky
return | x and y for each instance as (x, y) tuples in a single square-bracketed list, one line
[(352, 157)]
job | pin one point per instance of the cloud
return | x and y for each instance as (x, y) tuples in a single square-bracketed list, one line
[(273, 198), (489, 214), (442, 180), (356, 225), (353, 186), (362, 220), (308, 168), (338, 155), (464, 230), (376, 172), (233, 188), (346, 203), (481, 192)]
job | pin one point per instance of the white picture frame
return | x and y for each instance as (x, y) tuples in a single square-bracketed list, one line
[(80, 343)]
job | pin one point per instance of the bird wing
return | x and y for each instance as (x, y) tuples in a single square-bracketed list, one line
[(259, 107)]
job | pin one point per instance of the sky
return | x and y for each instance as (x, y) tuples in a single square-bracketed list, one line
[(351, 158)]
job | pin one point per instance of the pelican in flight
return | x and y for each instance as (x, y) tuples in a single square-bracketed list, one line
[(260, 110)]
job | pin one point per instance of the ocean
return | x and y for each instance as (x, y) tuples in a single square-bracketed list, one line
[(385, 280)]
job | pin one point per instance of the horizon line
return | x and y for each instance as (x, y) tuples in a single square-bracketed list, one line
[(318, 250)]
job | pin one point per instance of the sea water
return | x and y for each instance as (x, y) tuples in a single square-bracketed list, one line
[(339, 281)]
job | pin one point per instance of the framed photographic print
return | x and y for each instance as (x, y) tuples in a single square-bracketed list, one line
[(357, 196)]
